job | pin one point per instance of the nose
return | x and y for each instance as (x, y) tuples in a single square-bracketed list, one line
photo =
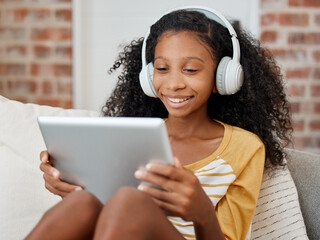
[(175, 80)]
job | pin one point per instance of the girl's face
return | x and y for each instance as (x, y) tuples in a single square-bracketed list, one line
[(184, 73)]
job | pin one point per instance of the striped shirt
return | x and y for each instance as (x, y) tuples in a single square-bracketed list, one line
[(231, 177)]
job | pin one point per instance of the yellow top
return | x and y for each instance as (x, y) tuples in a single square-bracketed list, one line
[(231, 177)]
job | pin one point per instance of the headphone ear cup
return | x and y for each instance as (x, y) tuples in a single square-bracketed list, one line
[(150, 73), (229, 76), (221, 75), (146, 80), (234, 78)]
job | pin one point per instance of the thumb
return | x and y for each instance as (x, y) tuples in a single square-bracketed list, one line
[(44, 156), (177, 162)]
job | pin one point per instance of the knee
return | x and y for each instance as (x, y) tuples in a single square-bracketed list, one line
[(123, 214), (131, 195), (79, 205), (127, 191), (83, 200), (130, 200)]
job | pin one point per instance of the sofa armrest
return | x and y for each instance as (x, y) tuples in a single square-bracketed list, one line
[(304, 168)]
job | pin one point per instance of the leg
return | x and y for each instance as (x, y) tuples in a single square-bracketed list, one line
[(132, 214), (73, 218)]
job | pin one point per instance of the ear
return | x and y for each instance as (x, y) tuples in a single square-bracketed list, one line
[(214, 90)]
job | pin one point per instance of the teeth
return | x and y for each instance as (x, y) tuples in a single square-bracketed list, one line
[(178, 100)]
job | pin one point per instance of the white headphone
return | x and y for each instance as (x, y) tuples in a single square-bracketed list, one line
[(229, 76)]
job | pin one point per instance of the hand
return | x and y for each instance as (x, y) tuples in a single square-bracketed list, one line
[(51, 177), (184, 196)]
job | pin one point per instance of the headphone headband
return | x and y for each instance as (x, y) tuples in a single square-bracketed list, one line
[(209, 13)]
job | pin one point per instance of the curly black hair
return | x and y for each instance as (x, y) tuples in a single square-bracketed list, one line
[(260, 106)]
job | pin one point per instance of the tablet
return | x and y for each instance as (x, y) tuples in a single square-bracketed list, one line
[(102, 153)]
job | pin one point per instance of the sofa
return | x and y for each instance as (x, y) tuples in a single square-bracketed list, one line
[(288, 204)]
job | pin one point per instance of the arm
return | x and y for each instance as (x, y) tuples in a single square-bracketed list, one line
[(236, 209), (209, 229), (51, 177), (184, 197)]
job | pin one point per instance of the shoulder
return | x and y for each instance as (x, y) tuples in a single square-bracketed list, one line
[(243, 148), (243, 137), (239, 137)]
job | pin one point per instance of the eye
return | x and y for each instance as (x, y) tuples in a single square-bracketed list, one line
[(162, 69), (189, 70)]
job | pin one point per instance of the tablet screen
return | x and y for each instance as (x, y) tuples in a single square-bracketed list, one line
[(102, 153)]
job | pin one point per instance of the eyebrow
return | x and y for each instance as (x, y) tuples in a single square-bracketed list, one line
[(187, 58), (196, 58)]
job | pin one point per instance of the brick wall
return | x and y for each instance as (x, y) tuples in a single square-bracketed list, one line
[(35, 55), (291, 30), (35, 51)]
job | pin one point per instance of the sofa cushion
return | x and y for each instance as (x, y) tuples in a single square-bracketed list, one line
[(305, 168), (23, 196), (278, 214)]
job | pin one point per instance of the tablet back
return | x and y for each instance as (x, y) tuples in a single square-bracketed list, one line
[(102, 153)]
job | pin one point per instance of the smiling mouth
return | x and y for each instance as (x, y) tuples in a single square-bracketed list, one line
[(178, 100)]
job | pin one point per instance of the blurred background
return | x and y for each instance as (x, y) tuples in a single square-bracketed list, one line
[(58, 52)]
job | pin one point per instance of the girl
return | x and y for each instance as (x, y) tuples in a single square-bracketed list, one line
[(221, 143)]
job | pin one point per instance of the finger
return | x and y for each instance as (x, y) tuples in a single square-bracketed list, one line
[(159, 193), (59, 185), (44, 156), (173, 209), (161, 181), (47, 168), (175, 173), (177, 162), (54, 191), (166, 170)]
